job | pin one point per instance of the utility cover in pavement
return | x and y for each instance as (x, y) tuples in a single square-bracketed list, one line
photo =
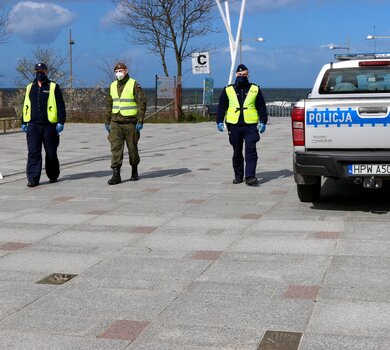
[(274, 340), (57, 278)]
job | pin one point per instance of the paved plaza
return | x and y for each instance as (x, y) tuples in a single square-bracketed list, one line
[(183, 259)]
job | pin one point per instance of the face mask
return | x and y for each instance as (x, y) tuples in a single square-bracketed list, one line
[(241, 80), (120, 75), (41, 76)]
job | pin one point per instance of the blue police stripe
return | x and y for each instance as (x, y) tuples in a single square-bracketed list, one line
[(346, 116)]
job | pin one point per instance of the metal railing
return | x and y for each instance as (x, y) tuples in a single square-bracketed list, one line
[(282, 109)]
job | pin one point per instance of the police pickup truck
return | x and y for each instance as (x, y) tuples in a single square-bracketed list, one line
[(342, 129)]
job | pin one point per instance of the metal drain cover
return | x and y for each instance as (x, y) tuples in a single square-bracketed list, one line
[(276, 340), (57, 278)]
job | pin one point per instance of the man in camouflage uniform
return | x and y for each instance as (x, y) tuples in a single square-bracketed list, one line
[(125, 112)]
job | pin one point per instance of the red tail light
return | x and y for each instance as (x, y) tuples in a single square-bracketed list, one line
[(298, 126), (374, 63)]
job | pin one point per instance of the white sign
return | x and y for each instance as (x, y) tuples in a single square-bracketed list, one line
[(165, 87), (200, 63)]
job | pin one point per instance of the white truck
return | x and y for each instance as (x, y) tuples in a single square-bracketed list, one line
[(342, 129)]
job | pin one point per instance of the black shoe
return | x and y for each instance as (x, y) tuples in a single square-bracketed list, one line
[(134, 173), (116, 177), (32, 184), (52, 181), (237, 181), (252, 181)]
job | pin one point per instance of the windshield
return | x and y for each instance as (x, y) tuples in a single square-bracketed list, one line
[(374, 79)]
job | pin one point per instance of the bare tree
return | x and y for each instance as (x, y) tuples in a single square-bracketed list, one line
[(166, 24), (106, 65), (4, 31), (54, 62)]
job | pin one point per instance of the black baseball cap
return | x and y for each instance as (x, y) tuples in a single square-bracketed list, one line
[(40, 66)]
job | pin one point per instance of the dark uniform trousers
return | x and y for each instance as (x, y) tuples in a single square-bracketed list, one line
[(118, 135), (38, 134), (238, 134)]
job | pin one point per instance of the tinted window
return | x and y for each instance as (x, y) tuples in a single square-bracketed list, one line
[(356, 80)]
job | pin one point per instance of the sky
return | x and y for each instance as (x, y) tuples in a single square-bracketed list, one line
[(297, 36)]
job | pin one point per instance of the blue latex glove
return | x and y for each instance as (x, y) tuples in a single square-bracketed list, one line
[(220, 127), (261, 127), (108, 127), (59, 127), (24, 128), (139, 126)]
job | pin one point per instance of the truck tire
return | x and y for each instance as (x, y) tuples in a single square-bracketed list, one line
[(309, 193)]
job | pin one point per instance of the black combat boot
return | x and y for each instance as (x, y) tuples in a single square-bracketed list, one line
[(134, 173), (116, 177)]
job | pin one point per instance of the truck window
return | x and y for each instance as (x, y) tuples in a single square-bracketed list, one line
[(356, 80)]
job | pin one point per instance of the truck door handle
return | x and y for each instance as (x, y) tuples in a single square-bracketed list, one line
[(373, 110)]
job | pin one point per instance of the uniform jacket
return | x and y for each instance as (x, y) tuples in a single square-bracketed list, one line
[(139, 97), (241, 95), (38, 97)]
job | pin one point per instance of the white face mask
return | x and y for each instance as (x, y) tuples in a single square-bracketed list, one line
[(120, 75)]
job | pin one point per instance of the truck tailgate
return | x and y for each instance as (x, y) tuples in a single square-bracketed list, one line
[(347, 123)]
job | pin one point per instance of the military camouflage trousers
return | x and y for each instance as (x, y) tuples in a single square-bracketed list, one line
[(118, 135)]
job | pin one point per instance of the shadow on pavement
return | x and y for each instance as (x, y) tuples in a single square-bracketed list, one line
[(164, 172), (267, 176), (86, 175), (344, 195)]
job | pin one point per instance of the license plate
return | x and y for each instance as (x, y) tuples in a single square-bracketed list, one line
[(369, 169)]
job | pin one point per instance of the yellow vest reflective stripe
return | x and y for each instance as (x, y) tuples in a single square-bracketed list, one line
[(250, 112), (51, 105), (125, 105)]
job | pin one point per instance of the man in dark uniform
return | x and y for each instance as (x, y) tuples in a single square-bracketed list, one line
[(43, 119), (242, 107), (126, 107)]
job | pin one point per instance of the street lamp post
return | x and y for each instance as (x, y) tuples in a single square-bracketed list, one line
[(259, 39), (71, 42), (374, 37)]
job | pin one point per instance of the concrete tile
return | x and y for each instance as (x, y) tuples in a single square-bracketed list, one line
[(103, 303), (53, 323), (124, 330), (327, 235), (144, 229), (15, 296), (13, 246), (11, 340), (207, 255), (252, 312), (350, 318), (47, 262), (249, 267), (302, 292), (363, 248), (358, 271), (162, 336), (368, 293), (312, 341), (145, 268), (286, 246)]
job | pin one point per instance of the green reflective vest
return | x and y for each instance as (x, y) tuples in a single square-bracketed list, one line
[(125, 105), (250, 112), (51, 105)]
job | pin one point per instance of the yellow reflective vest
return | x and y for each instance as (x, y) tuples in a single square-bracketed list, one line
[(51, 105), (125, 104), (250, 112)]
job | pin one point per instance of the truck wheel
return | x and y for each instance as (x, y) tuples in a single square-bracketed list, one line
[(309, 193)]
